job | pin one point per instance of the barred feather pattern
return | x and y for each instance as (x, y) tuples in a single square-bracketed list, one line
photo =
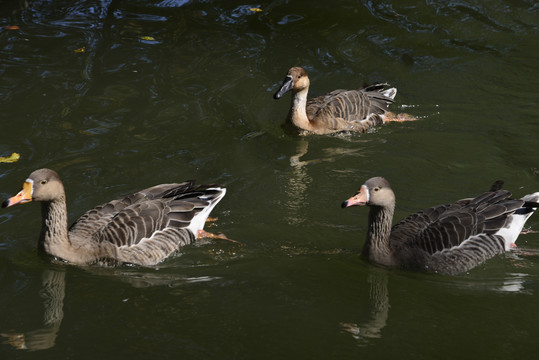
[(449, 225), (457, 237), (143, 228), (472, 252), (146, 227), (450, 238), (338, 111), (349, 110)]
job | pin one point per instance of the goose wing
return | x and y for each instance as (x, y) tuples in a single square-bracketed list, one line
[(448, 226), (349, 105), (140, 216)]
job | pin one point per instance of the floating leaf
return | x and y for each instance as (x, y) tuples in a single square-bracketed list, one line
[(256, 9), (148, 38), (10, 159), (18, 341), (80, 50), (12, 27)]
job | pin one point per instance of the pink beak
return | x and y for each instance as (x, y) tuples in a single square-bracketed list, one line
[(360, 199)]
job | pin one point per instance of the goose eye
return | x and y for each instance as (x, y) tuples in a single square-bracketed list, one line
[(376, 189), (43, 182)]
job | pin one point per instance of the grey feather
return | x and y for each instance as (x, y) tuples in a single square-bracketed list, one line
[(340, 110), (143, 228), (448, 238)]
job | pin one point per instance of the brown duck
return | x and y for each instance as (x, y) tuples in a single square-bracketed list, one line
[(338, 111), (143, 228), (448, 239)]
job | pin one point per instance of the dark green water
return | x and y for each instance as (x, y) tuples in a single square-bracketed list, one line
[(194, 101)]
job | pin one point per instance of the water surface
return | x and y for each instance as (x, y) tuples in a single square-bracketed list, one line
[(121, 95)]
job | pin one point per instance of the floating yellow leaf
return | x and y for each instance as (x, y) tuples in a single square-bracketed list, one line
[(148, 38), (16, 340), (10, 159), (81, 50), (256, 9)]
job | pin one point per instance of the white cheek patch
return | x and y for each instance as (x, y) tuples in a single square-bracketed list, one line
[(367, 193), (31, 182)]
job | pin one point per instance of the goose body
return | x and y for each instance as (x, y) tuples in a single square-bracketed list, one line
[(339, 110), (143, 228), (448, 239)]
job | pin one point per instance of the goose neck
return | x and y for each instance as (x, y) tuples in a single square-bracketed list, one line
[(54, 234), (377, 247), (298, 110)]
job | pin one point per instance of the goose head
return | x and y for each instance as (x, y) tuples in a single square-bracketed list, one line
[(41, 185), (375, 192), (296, 80)]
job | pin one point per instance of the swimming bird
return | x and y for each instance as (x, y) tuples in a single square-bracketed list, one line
[(447, 239), (340, 110), (143, 228)]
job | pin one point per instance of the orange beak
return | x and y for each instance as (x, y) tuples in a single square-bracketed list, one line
[(360, 199), (24, 196)]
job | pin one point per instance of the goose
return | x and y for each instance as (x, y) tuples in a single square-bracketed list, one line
[(142, 229), (337, 111), (447, 239)]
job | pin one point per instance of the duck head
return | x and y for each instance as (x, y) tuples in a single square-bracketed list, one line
[(375, 192), (296, 80), (41, 185)]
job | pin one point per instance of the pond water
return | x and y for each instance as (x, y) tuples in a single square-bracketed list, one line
[(117, 96)]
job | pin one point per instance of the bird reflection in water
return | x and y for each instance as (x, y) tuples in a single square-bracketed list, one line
[(52, 292), (377, 279), (379, 305), (297, 184), (298, 180)]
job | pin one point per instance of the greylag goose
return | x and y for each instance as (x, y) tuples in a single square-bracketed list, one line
[(143, 228), (448, 239), (340, 110)]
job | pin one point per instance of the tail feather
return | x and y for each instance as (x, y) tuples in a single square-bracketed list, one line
[(379, 87), (517, 221), (215, 194), (390, 93)]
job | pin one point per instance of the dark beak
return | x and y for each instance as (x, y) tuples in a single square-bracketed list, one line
[(287, 85)]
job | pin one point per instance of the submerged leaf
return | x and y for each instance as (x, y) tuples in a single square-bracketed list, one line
[(12, 27), (148, 38), (10, 159), (80, 50), (256, 9)]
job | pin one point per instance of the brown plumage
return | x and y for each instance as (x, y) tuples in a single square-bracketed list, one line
[(448, 239), (339, 110), (143, 228)]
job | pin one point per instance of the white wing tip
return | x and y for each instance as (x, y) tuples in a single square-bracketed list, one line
[(390, 93)]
